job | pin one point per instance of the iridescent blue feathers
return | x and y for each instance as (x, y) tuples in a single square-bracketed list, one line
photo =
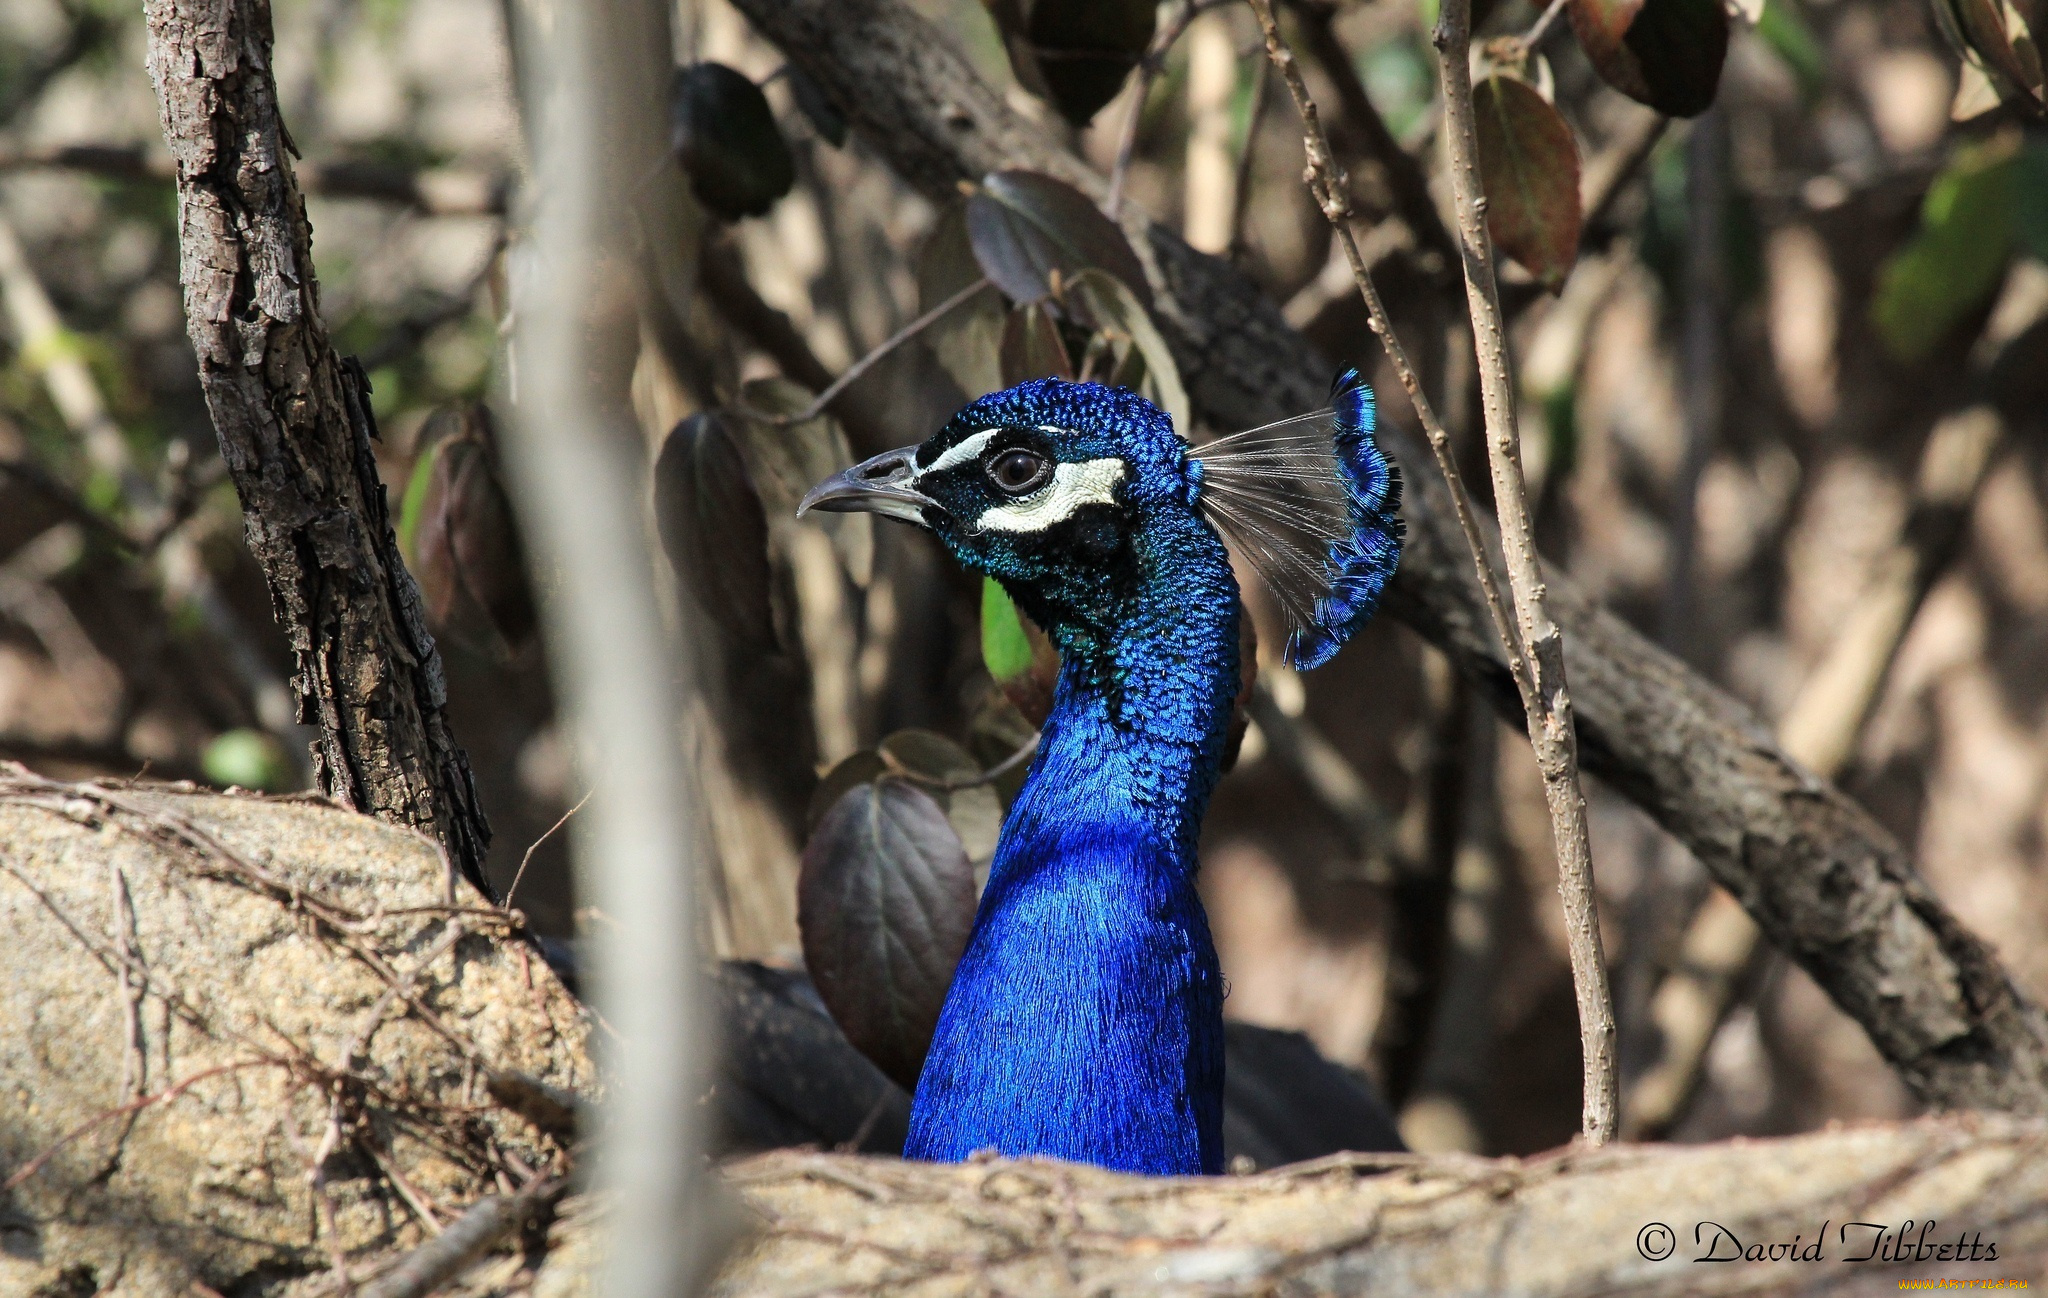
[(1312, 504)]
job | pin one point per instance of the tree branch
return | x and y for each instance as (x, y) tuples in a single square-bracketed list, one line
[(1360, 125), (1829, 886), (1565, 1226), (295, 427), (1547, 698)]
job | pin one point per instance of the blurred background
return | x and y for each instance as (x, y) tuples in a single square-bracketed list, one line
[(1784, 415)]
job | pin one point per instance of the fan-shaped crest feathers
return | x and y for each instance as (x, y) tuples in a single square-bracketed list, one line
[(1312, 504)]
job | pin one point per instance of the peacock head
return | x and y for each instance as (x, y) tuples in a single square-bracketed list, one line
[(1065, 492), (1051, 487)]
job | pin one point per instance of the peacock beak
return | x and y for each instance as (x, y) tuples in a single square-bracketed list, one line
[(883, 485)]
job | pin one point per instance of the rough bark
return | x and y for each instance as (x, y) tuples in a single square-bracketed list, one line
[(1826, 883), (1565, 1224), (294, 423)]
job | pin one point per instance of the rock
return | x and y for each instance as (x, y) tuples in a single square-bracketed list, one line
[(204, 997)]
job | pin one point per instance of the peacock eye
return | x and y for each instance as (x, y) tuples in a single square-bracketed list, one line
[(1018, 472)]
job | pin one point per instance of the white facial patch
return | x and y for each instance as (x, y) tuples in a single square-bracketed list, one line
[(1072, 486), (960, 452)]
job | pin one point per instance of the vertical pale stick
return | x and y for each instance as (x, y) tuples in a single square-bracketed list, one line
[(579, 472)]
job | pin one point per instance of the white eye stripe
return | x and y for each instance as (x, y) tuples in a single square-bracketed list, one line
[(961, 452), (1072, 486)]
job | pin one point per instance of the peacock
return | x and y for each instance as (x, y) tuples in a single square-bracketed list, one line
[(1085, 1019)]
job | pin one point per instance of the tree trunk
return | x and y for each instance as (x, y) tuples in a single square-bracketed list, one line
[(295, 428), (1826, 883)]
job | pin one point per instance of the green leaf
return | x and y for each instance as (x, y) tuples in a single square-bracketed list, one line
[(1004, 647), (1968, 227), (414, 503), (247, 759), (1018, 655), (1664, 53), (1783, 27), (1529, 165)]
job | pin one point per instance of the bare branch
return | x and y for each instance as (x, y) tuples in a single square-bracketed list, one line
[(1552, 732)]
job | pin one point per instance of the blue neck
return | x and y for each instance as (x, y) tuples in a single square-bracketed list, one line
[(1085, 1020)]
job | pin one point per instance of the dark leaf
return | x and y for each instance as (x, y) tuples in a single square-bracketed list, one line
[(1529, 165), (712, 527), (944, 770), (823, 115), (786, 460), (1031, 346), (1074, 54), (885, 902), (724, 135), (1994, 35), (1030, 233), (464, 545), (1664, 53)]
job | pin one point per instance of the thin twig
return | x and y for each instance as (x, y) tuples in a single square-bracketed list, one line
[(1241, 188), (1360, 123), (1534, 35), (42, 1160), (431, 191), (869, 361), (1609, 171), (1548, 703), (1534, 644), (1327, 184), (1148, 72), (467, 1239), (524, 861)]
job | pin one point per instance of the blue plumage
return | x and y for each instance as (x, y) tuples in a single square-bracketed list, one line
[(1360, 565), (1085, 1018)]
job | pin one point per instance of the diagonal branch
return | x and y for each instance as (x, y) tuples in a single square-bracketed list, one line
[(1829, 886)]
